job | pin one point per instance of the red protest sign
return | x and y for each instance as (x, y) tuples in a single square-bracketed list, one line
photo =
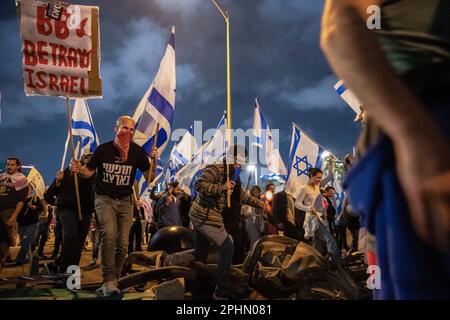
[(61, 57)]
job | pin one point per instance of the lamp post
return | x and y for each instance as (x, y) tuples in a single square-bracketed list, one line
[(226, 16)]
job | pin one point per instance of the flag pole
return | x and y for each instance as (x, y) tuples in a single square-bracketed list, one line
[(135, 195), (65, 151), (75, 176), (226, 16), (153, 164)]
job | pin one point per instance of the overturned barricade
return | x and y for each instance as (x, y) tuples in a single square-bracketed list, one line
[(276, 267)]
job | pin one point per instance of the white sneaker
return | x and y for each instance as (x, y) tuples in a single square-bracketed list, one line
[(108, 288)]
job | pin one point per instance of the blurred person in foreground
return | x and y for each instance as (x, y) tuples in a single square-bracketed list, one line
[(401, 182)]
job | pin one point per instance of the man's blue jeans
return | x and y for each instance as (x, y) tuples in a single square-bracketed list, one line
[(332, 247), (27, 236), (203, 235)]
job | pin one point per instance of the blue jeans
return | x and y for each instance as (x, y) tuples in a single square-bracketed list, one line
[(252, 231), (332, 248), (203, 235), (27, 237), (115, 217)]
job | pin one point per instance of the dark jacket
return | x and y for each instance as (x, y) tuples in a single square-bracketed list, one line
[(64, 197), (28, 216), (211, 201)]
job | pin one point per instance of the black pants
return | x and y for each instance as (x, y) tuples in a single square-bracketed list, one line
[(354, 225), (291, 231), (332, 227), (299, 220), (74, 234), (42, 236), (355, 237), (58, 237), (135, 239), (226, 252), (341, 237), (240, 242)]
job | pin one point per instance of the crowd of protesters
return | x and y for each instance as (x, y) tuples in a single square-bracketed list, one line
[(234, 230)]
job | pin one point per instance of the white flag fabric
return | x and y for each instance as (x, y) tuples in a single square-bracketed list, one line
[(158, 104), (210, 152), (304, 154), (142, 180), (339, 195), (85, 137), (263, 139), (147, 205), (181, 154), (348, 96), (83, 127)]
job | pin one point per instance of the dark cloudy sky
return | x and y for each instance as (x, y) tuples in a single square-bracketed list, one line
[(275, 56)]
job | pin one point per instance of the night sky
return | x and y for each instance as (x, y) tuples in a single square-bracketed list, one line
[(275, 56)]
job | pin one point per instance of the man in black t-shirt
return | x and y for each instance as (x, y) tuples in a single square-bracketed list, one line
[(115, 163)]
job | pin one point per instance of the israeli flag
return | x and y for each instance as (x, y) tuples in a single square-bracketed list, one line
[(142, 180), (339, 196), (210, 152), (262, 138), (181, 154), (83, 127), (85, 137), (304, 154), (348, 96), (158, 104)]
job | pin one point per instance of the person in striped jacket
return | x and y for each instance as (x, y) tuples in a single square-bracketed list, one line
[(209, 211)]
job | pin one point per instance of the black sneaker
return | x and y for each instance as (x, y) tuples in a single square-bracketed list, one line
[(220, 296), (51, 268)]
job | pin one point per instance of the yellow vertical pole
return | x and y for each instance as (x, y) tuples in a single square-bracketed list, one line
[(227, 22)]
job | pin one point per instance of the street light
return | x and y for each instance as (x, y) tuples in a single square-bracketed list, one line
[(252, 168), (226, 16), (325, 154)]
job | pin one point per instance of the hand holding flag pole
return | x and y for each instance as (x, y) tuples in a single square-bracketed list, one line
[(75, 176), (153, 164), (135, 197)]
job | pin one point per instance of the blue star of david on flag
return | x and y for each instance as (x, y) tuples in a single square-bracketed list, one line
[(298, 162)]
